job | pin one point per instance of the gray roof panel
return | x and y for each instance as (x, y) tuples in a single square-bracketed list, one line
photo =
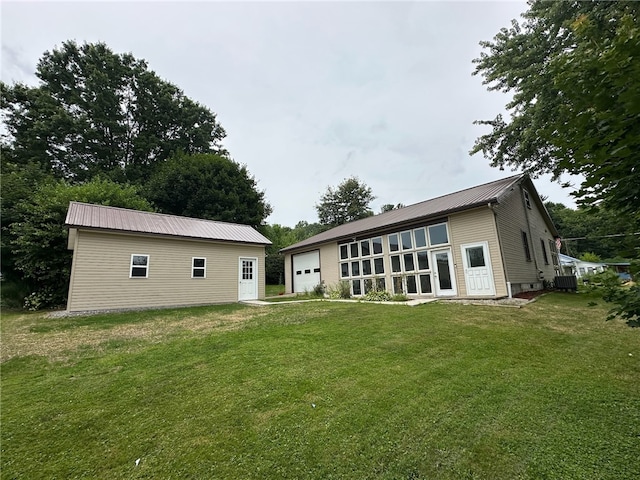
[(440, 206), (85, 215)]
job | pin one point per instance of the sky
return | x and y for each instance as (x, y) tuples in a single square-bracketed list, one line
[(309, 93)]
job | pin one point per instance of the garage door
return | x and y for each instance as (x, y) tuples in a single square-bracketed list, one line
[(306, 271)]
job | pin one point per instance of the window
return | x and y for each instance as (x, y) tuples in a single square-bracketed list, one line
[(544, 252), (354, 250), (139, 266), (421, 237), (423, 260), (527, 201), (438, 234), (356, 287), (554, 252), (377, 245), (406, 240), (525, 244), (344, 270), (364, 248), (198, 267), (395, 263), (393, 243), (378, 266), (344, 252), (366, 267), (408, 262), (355, 268), (475, 257), (425, 283), (397, 285), (412, 287)]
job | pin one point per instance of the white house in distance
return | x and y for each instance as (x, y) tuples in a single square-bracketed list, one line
[(130, 259), (488, 241), (580, 268)]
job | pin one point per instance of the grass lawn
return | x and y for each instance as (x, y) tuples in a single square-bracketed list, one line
[(273, 290), (324, 390)]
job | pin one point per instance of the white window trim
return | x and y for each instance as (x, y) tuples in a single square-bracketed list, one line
[(194, 268), (438, 245), (131, 265)]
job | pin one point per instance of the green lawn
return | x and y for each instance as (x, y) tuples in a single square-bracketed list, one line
[(324, 390)]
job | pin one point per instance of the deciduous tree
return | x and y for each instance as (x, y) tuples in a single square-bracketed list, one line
[(573, 69), (208, 186), (349, 201), (96, 112)]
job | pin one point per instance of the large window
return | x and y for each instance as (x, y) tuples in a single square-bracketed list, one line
[(360, 264), (525, 244), (198, 267), (139, 266)]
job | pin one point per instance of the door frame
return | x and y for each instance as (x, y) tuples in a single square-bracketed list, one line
[(434, 273), (255, 278), (487, 259)]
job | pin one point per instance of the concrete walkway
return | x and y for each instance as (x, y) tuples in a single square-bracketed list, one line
[(410, 303)]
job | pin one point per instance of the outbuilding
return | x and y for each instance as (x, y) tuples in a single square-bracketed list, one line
[(489, 241), (126, 259)]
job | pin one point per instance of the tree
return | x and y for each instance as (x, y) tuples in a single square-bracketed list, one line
[(348, 202), (100, 113), (208, 186), (387, 207), (573, 68), (39, 240), (280, 237)]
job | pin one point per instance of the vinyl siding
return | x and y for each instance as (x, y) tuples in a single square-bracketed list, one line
[(101, 268), (474, 226), (513, 217)]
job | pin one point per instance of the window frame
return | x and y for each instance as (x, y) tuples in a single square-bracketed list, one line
[(194, 268), (146, 266), (525, 244)]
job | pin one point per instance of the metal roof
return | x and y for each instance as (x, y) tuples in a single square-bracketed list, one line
[(436, 207), (85, 215)]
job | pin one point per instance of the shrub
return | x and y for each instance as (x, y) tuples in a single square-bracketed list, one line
[(319, 290), (399, 297), (377, 296), (340, 290)]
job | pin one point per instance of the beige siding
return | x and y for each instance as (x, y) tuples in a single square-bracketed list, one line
[(328, 265), (513, 217), (474, 226), (101, 269)]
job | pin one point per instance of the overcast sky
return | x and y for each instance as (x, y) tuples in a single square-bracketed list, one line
[(309, 93)]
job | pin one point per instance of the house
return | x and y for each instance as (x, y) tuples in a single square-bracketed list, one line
[(579, 268), (489, 241), (130, 259)]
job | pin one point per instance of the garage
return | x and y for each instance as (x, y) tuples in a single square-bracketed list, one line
[(306, 271)]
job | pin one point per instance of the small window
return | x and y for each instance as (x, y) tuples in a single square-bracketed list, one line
[(408, 262), (298, 272), (527, 200), (525, 244), (421, 237), (364, 248), (316, 270), (381, 284), (366, 267), (355, 269), (395, 263), (425, 283), (398, 288), (344, 270), (475, 257), (438, 234), (354, 250), (406, 240), (344, 252), (412, 286), (356, 287), (307, 271), (377, 245), (198, 267), (378, 266), (139, 266), (393, 243), (368, 285), (544, 252), (423, 260)]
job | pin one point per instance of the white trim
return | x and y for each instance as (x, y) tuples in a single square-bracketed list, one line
[(194, 268), (131, 265)]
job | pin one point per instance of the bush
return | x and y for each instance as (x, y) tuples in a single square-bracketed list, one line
[(377, 296), (399, 297), (341, 290), (319, 290)]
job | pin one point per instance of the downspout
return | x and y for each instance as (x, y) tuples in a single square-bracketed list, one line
[(504, 265)]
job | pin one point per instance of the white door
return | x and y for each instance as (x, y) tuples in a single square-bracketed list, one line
[(306, 271), (443, 276), (477, 269), (248, 279)]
